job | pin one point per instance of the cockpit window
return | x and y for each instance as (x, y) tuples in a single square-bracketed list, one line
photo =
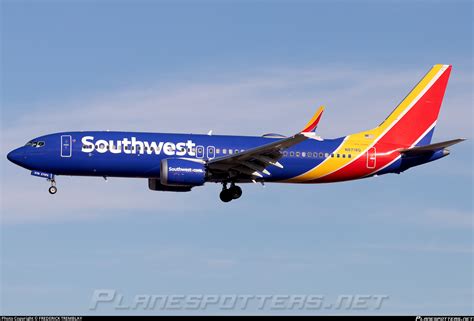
[(35, 144)]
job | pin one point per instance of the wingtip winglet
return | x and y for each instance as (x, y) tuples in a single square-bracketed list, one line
[(313, 123)]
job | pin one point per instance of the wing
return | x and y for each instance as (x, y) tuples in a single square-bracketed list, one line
[(251, 164), (419, 150)]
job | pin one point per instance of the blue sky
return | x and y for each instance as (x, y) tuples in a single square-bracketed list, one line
[(234, 67)]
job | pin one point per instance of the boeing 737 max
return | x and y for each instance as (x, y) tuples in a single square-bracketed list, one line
[(179, 162)]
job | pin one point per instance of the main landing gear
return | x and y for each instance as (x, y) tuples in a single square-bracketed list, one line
[(53, 189), (231, 193)]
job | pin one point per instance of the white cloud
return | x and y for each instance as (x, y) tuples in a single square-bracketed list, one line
[(252, 103), (436, 248), (448, 218)]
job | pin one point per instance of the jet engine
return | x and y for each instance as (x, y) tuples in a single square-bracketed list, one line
[(182, 172)]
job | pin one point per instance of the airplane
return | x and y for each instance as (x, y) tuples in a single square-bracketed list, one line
[(180, 162)]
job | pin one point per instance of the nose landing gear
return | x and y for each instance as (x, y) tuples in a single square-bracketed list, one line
[(53, 189), (231, 193)]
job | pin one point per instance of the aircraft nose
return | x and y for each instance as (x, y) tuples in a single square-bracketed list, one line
[(16, 156)]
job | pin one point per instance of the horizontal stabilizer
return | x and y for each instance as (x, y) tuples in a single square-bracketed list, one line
[(429, 148)]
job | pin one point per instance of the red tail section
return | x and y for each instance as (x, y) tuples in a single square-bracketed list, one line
[(413, 121), (410, 124)]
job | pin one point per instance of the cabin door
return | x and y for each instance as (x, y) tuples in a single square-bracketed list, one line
[(211, 152), (200, 151), (371, 157), (66, 146)]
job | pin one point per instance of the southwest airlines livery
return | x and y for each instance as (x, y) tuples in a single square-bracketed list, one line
[(179, 162)]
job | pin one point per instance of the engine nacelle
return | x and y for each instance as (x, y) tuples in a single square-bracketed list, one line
[(182, 172), (155, 185)]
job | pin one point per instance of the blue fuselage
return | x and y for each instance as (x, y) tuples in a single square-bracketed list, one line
[(121, 154), (135, 154)]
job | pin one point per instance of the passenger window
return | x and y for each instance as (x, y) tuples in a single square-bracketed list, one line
[(343, 155), (337, 155), (230, 151), (309, 154), (285, 153), (218, 150), (224, 151), (303, 154), (297, 154), (326, 155), (321, 155), (349, 155), (292, 154)]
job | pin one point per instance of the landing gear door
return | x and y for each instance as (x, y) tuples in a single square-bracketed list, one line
[(66, 146), (371, 157)]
